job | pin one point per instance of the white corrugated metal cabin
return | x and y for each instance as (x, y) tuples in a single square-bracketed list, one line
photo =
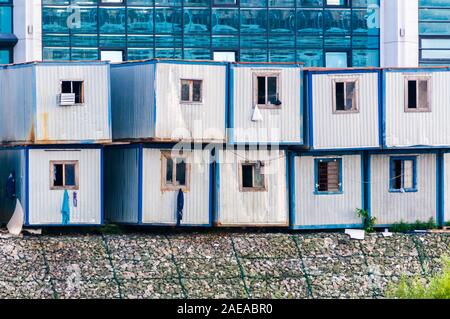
[(55, 102), (252, 188), (326, 189), (403, 186), (445, 188), (343, 109), (142, 184), (266, 104), (416, 108), (43, 174), (169, 100)]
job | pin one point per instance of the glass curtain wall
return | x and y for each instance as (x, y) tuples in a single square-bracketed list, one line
[(6, 29), (251, 30)]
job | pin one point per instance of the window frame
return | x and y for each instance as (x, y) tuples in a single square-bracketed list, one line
[(64, 186), (266, 74), (82, 95), (417, 78), (243, 189), (355, 108), (191, 91), (316, 176), (391, 175), (165, 155)]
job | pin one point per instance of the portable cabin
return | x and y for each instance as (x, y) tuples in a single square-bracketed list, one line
[(55, 185), (144, 183), (251, 188), (415, 107), (55, 102), (343, 109), (445, 188), (169, 100), (326, 189), (266, 104), (403, 186)]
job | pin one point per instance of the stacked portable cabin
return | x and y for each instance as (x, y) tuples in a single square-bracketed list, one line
[(328, 180), (55, 117), (163, 113)]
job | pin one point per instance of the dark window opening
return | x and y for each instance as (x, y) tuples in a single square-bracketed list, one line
[(328, 176), (412, 94), (397, 172), (73, 87), (58, 179), (261, 90), (181, 173), (169, 171), (340, 101), (247, 176)]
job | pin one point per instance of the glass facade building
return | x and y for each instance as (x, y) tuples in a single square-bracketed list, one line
[(315, 32), (434, 32), (7, 39)]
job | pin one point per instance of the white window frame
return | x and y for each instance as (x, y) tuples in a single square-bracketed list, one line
[(276, 74), (262, 188), (83, 99), (191, 91), (174, 186), (355, 106), (64, 186), (429, 93)]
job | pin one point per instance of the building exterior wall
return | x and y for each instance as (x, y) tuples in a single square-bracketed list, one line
[(446, 187), (282, 125), (203, 121), (45, 204), (408, 129), (356, 130), (393, 207), (259, 208), (159, 206), (28, 29), (326, 210)]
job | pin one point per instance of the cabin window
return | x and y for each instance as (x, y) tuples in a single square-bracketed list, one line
[(176, 172), (74, 87), (191, 91), (267, 90), (345, 96), (252, 177), (403, 174), (417, 95), (328, 176), (64, 175)]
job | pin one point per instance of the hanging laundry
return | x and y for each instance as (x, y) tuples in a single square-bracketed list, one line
[(65, 210), (11, 185), (75, 199), (180, 206), (257, 116)]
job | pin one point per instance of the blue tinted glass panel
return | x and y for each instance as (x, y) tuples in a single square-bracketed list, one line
[(56, 54), (312, 58), (140, 54), (336, 59), (112, 20), (365, 58), (84, 54), (253, 55), (225, 42), (168, 20), (54, 20), (5, 19), (225, 21), (140, 20), (281, 21), (197, 21), (253, 21), (4, 56), (280, 55), (309, 21)]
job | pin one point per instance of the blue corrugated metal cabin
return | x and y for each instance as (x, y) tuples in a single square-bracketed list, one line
[(326, 189), (416, 108), (266, 104), (43, 174), (55, 102), (143, 184), (343, 109), (169, 100)]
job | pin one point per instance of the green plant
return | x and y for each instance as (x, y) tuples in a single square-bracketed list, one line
[(402, 227), (368, 221), (438, 286)]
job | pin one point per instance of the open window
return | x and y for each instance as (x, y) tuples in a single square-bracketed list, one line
[(191, 91), (251, 175), (403, 174), (64, 175), (175, 172), (345, 96), (328, 176), (266, 87), (417, 94), (72, 92)]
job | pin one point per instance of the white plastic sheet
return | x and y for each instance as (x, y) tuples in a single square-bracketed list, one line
[(16, 222)]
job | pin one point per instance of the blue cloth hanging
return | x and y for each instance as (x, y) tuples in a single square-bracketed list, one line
[(180, 206), (65, 210)]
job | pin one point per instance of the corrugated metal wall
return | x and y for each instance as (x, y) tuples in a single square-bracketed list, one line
[(391, 208), (11, 160), (198, 121), (417, 128), (326, 210), (159, 207), (17, 106), (351, 130), (283, 125), (45, 204), (121, 184), (446, 187), (259, 208), (90, 121), (132, 94)]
